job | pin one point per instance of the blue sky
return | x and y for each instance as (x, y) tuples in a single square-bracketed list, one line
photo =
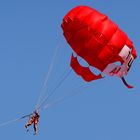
[(29, 33)]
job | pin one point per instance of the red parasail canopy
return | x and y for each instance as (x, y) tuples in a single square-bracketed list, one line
[(99, 41)]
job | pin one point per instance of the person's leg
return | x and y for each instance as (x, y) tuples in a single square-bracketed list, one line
[(35, 128), (28, 124)]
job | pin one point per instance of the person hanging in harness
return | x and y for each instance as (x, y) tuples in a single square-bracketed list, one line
[(33, 120)]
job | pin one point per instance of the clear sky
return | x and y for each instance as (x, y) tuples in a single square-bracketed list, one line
[(29, 33)]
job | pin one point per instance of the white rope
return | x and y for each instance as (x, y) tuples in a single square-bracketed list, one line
[(66, 97), (44, 87), (8, 122), (54, 89)]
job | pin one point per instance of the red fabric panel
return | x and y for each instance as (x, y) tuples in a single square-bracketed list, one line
[(94, 19), (107, 28), (77, 11), (79, 39), (106, 54), (70, 27), (84, 72), (118, 40)]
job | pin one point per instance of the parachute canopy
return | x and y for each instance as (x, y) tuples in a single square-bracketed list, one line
[(99, 41)]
